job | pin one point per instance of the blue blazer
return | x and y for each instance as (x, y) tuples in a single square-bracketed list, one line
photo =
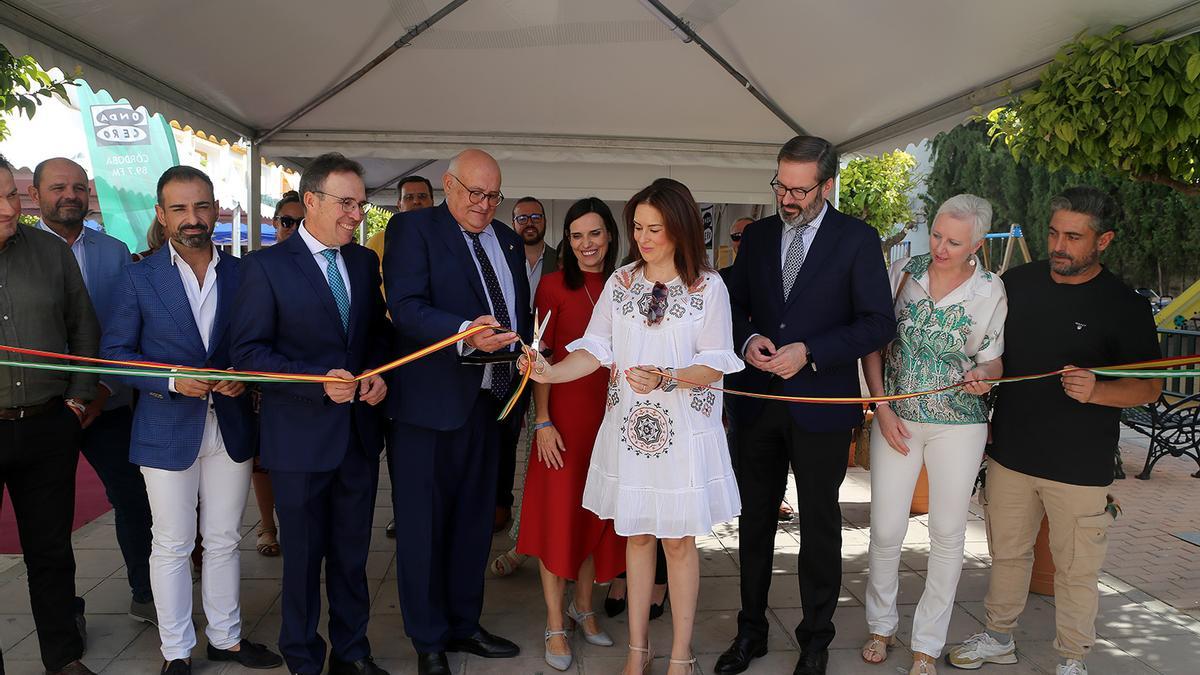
[(286, 321), (433, 286), (840, 307), (151, 320)]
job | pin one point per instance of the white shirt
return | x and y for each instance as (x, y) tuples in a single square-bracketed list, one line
[(789, 233), (202, 299), (534, 274), (77, 248), (316, 247)]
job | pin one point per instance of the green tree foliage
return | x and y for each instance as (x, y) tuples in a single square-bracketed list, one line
[(377, 220), (23, 85), (1105, 102), (876, 190), (1158, 240)]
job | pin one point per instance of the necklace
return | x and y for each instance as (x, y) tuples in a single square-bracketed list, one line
[(589, 294)]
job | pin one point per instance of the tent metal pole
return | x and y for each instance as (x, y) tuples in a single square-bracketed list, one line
[(407, 172), (361, 72), (770, 104), (254, 221), (1172, 24)]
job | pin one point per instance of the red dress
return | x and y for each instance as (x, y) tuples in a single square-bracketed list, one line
[(554, 525)]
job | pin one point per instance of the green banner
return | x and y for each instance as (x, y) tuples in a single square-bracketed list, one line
[(130, 149)]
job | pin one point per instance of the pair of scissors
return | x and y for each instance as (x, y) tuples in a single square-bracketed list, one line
[(539, 327)]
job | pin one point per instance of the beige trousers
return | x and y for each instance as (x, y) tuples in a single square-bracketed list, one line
[(1014, 504)]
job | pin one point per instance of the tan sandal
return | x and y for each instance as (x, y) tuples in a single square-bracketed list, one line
[(876, 649), (506, 563), (267, 543), (646, 660), (923, 664), (690, 663)]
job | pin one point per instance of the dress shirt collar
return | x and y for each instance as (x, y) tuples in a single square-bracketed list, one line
[(43, 226), (314, 246), (175, 257)]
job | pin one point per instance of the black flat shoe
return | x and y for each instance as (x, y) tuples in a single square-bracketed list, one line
[(433, 664), (737, 658), (249, 655), (484, 644), (363, 666), (812, 662), (176, 667), (613, 607), (657, 610)]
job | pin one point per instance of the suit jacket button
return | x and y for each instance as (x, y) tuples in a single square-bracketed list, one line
[(783, 325)]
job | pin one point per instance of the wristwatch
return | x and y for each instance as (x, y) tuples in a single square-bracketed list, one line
[(669, 383)]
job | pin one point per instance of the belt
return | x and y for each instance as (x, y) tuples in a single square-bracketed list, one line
[(30, 410)]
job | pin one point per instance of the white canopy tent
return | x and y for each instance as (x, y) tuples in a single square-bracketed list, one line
[(574, 97)]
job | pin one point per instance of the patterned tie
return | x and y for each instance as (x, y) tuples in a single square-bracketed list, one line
[(338, 286), (795, 258), (501, 372)]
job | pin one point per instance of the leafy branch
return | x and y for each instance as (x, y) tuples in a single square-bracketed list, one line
[(24, 86)]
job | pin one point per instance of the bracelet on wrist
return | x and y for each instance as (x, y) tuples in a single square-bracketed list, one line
[(543, 425)]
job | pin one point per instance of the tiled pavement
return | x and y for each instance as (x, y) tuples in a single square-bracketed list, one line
[(1147, 572)]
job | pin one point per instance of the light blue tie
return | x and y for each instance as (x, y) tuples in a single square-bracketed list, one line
[(338, 286)]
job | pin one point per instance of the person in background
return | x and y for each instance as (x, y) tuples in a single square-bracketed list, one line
[(1054, 439), (289, 213), (569, 541), (660, 468), (60, 188), (950, 314), (154, 240), (191, 437), (44, 304)]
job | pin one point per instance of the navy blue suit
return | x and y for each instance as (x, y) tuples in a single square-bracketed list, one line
[(323, 457), (151, 320), (840, 308), (444, 448)]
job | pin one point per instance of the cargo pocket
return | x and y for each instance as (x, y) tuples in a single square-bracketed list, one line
[(1091, 543)]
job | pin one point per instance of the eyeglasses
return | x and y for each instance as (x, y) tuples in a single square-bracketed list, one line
[(735, 236), (349, 203), (525, 219), (288, 221), (476, 196), (796, 193), (657, 308)]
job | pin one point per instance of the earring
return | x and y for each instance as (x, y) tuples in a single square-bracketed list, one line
[(971, 262)]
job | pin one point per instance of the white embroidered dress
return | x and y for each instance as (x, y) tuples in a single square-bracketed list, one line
[(661, 463)]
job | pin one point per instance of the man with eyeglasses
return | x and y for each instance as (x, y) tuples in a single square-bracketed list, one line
[(446, 269), (810, 296), (312, 306)]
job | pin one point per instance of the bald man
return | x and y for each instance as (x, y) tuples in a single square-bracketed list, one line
[(445, 269)]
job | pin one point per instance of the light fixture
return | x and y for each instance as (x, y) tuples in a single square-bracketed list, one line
[(661, 13)]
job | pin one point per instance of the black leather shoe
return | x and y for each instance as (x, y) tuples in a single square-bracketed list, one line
[(176, 667), (613, 606), (484, 644), (737, 658), (390, 530), (812, 662), (364, 666), (249, 655), (432, 664)]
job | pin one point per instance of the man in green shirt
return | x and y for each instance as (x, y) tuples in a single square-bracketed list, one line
[(43, 305)]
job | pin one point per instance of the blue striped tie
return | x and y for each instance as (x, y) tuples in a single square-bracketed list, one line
[(338, 286)]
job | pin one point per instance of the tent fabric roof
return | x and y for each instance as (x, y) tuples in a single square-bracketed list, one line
[(559, 81)]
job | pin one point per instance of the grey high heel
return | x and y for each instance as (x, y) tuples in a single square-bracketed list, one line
[(599, 638), (558, 661)]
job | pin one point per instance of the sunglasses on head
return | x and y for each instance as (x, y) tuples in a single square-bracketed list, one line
[(657, 309), (735, 236), (289, 222)]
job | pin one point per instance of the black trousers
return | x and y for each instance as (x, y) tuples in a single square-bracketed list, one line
[(38, 457), (509, 430), (765, 447)]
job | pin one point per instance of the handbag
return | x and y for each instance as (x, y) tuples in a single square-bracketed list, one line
[(862, 432)]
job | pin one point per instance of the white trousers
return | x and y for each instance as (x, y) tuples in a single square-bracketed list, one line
[(951, 454), (219, 485)]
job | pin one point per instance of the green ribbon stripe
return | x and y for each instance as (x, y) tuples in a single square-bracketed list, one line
[(139, 372)]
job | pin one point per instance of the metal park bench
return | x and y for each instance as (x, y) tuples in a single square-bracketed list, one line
[(1171, 422)]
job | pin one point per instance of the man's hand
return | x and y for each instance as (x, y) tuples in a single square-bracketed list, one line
[(1079, 384), (788, 360), (759, 352), (372, 390), (230, 388), (340, 392), (93, 409), (192, 388), (490, 340)]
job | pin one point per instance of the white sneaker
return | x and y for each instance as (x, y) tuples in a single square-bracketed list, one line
[(1072, 667), (982, 648)]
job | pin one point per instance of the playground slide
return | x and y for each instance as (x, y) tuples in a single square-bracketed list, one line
[(1186, 305)]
